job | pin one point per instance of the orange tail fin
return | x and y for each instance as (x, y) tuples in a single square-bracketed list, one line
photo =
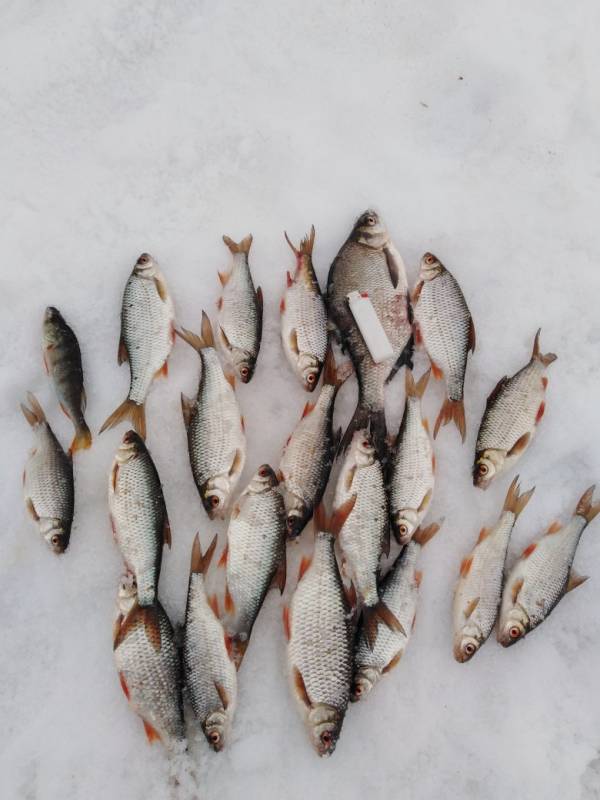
[(452, 411), (585, 508), (128, 410), (82, 440)]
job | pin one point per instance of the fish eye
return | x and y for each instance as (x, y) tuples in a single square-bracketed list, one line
[(366, 443), (469, 648), (403, 529), (514, 632)]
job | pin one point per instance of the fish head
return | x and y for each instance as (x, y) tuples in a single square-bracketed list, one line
[(53, 326), (309, 367), (430, 267), (215, 729), (370, 230), (364, 680), (362, 449), (131, 445), (295, 520), (243, 363), (146, 266), (324, 723), (404, 524), (467, 642), (263, 479), (513, 626), (55, 533), (487, 465)]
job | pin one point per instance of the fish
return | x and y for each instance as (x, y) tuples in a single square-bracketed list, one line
[(479, 588), (62, 361), (319, 627), (369, 263), (304, 317), (444, 325), (400, 591), (412, 465), (512, 414), (149, 667), (543, 574), (209, 672), (147, 338), (48, 487), (215, 427), (138, 514), (254, 558), (309, 452), (240, 312), (365, 533)]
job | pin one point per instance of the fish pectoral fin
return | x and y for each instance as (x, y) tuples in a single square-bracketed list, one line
[(575, 580), (187, 409), (471, 339), (392, 663), (392, 265), (116, 629), (425, 501), (236, 464), (224, 339), (161, 288), (31, 509), (223, 695), (151, 733), (279, 577), (350, 477), (122, 354), (167, 532), (417, 292), (300, 687), (519, 445), (471, 607), (293, 342)]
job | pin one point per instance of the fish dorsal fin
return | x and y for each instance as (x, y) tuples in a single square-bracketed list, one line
[(223, 280), (187, 409), (236, 463), (471, 606), (167, 538), (545, 358), (497, 389), (207, 331), (280, 575), (349, 477), (585, 508)]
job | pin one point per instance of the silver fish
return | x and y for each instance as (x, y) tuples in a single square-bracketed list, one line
[(320, 631), (369, 262), (512, 414), (304, 317), (443, 323), (365, 533), (48, 481), (147, 336), (309, 452), (215, 427), (412, 465), (479, 589), (400, 591), (138, 514), (210, 674), (62, 360), (240, 312), (254, 556), (149, 667), (543, 574)]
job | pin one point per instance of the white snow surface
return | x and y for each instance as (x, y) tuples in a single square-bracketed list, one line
[(473, 129)]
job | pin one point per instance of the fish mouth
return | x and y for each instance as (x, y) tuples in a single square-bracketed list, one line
[(51, 313), (144, 260), (267, 474)]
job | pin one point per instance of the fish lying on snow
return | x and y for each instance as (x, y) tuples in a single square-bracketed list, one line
[(138, 514), (147, 336), (369, 263), (48, 481), (443, 323), (399, 591), (309, 452), (210, 675), (479, 589), (512, 414), (320, 632), (365, 533), (215, 427), (149, 667), (240, 312), (62, 360), (254, 556), (543, 574), (412, 465), (303, 317)]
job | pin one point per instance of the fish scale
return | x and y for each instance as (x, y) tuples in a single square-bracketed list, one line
[(152, 678), (138, 513)]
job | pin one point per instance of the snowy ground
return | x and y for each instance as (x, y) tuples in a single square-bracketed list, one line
[(474, 129)]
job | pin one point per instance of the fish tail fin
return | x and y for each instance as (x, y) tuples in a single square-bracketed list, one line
[(423, 535), (35, 413), (237, 649), (515, 501), (200, 563), (363, 418), (239, 247), (335, 522), (585, 508), (545, 358), (306, 245), (416, 389), (405, 357), (378, 614), (199, 341), (82, 439), (129, 409), (452, 411)]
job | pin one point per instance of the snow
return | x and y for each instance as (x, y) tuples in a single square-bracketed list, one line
[(473, 129)]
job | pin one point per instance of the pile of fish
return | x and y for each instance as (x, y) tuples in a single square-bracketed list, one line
[(347, 620)]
